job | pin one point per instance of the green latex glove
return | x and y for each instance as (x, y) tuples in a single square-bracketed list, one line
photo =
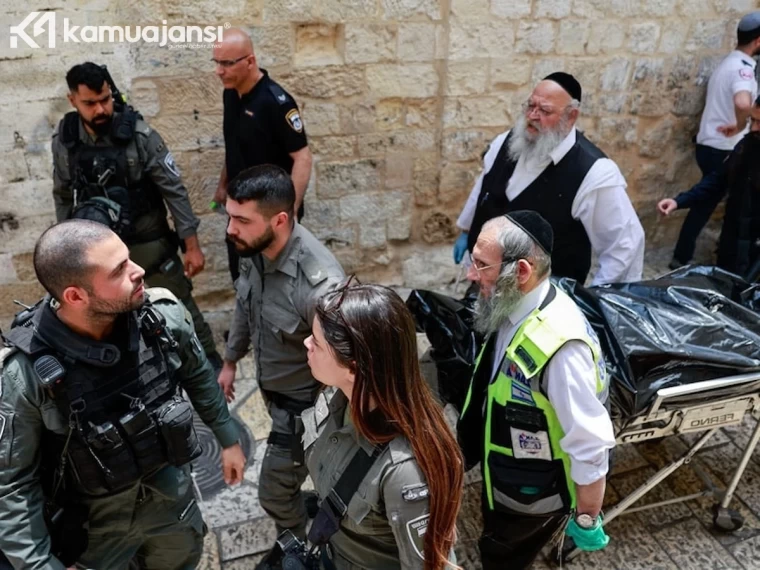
[(590, 539)]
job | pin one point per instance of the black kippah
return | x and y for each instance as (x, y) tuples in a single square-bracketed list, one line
[(535, 226), (567, 82)]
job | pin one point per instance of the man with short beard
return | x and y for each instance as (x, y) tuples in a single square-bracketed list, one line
[(545, 164), (284, 270), (93, 416), (535, 415), (110, 166)]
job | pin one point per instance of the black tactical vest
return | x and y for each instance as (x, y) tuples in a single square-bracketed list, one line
[(126, 416), (103, 172), (551, 195)]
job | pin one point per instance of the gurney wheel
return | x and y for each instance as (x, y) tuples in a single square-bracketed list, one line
[(726, 520)]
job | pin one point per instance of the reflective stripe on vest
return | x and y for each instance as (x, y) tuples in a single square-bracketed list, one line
[(524, 466)]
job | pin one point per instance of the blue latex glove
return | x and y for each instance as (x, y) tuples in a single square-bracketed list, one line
[(460, 247), (590, 539)]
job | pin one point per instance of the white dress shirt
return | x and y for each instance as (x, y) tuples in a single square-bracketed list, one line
[(570, 378), (601, 205)]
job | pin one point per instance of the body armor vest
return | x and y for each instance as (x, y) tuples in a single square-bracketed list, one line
[(125, 413), (102, 188)]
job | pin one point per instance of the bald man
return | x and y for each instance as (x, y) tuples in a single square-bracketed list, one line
[(262, 123), (545, 164)]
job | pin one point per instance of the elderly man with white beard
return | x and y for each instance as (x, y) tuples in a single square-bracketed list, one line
[(545, 164), (535, 416)]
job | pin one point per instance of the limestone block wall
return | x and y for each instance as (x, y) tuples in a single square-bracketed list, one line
[(399, 98)]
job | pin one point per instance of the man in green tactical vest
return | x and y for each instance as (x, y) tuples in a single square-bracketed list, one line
[(535, 415)]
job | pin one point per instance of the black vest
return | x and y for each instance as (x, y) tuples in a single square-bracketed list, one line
[(89, 165), (551, 195), (121, 403)]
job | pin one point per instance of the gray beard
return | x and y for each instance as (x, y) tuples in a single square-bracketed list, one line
[(535, 149), (493, 312)]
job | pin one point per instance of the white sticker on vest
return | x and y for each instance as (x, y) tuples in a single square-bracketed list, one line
[(530, 445)]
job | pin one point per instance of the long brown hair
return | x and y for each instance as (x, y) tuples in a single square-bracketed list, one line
[(372, 333)]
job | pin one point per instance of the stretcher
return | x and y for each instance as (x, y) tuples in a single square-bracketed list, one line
[(683, 357), (704, 407)]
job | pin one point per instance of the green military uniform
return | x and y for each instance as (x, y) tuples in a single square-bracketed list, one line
[(384, 527), (274, 311), (154, 519), (151, 245)]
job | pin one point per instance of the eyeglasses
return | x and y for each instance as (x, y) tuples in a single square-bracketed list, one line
[(229, 62), (529, 107), (478, 266)]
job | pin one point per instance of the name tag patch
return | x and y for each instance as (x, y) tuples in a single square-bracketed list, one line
[(530, 445), (415, 493)]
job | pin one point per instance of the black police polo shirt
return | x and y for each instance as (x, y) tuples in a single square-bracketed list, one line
[(262, 127)]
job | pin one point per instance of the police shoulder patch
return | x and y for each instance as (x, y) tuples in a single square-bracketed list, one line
[(171, 165), (294, 120), (416, 529)]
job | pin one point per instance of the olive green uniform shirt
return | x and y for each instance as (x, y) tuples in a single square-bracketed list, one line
[(274, 312), (384, 527), (26, 410)]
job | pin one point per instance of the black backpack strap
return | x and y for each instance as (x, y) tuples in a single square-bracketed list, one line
[(335, 505)]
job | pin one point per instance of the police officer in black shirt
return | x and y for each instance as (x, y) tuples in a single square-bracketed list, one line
[(262, 123)]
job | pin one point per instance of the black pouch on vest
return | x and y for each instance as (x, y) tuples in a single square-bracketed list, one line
[(87, 471), (175, 421), (113, 455), (142, 435)]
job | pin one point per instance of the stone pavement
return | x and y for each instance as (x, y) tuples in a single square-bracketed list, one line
[(678, 536)]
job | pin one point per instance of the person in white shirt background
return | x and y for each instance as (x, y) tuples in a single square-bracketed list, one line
[(546, 164), (725, 120)]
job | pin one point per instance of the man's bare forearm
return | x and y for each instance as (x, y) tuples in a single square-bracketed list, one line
[(589, 498)]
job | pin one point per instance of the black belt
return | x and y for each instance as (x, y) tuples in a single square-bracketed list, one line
[(290, 405)]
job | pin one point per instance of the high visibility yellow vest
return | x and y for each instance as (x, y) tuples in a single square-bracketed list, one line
[(524, 466)]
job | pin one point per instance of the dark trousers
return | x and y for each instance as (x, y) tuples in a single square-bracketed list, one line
[(710, 161), (512, 541)]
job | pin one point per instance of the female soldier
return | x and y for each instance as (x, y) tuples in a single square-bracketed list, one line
[(404, 512)]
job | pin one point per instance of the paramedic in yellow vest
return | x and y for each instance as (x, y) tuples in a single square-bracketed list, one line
[(535, 415)]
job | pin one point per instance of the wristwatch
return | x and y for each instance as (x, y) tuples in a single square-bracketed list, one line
[(585, 521)]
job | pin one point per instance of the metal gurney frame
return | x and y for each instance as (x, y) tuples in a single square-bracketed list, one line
[(703, 406)]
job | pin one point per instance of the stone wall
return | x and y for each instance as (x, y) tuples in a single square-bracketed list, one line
[(399, 98)]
